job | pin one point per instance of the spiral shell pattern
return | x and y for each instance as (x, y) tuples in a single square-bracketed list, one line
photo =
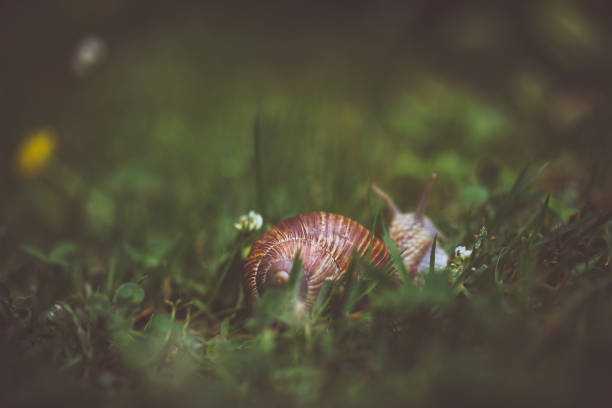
[(325, 241)]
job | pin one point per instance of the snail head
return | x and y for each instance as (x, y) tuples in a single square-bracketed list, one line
[(410, 220)]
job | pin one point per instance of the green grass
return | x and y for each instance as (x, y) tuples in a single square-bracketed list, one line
[(524, 318), (120, 266)]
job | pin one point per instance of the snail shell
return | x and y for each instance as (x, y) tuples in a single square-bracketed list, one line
[(325, 241)]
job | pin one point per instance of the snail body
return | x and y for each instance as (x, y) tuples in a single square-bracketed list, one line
[(413, 234), (326, 242)]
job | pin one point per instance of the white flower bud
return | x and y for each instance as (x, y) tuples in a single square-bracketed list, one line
[(462, 252), (249, 222)]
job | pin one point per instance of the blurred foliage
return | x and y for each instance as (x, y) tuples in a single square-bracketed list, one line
[(135, 135)]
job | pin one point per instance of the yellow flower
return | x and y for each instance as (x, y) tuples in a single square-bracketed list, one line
[(35, 152)]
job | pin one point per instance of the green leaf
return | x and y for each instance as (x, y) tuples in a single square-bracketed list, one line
[(295, 276), (323, 298), (98, 305), (351, 290), (153, 256), (561, 208), (128, 294), (35, 252), (100, 210), (524, 180), (474, 194), (57, 256), (61, 251), (224, 330)]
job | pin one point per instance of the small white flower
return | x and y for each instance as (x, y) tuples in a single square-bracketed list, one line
[(249, 222), (462, 252), (90, 51)]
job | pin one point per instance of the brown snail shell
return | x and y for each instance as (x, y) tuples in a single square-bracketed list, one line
[(325, 241)]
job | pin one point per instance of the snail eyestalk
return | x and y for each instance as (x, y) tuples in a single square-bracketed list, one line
[(419, 214), (390, 204)]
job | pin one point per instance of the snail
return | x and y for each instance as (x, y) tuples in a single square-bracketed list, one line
[(413, 234), (326, 242)]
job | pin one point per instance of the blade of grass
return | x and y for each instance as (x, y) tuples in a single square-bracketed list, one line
[(258, 167), (432, 255), (395, 255)]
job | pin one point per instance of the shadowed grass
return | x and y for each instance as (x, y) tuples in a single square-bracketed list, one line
[(531, 298)]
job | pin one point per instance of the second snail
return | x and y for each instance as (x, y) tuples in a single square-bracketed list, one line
[(326, 242)]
